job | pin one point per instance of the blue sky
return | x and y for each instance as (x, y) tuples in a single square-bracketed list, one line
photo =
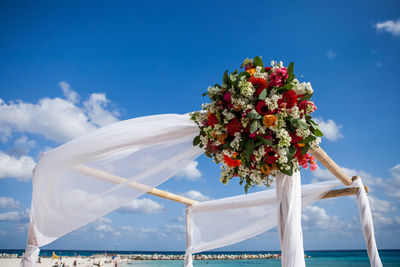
[(68, 67)]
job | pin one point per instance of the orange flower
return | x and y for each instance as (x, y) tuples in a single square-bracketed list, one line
[(301, 144), (265, 169), (251, 71), (269, 120), (232, 162), (221, 138)]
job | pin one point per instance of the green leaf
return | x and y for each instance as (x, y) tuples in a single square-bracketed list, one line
[(287, 172), (290, 70), (253, 115), (258, 62), (263, 94), (253, 127), (285, 88), (308, 139), (225, 80), (196, 140), (317, 132), (299, 123), (264, 141), (249, 148), (291, 151), (305, 149)]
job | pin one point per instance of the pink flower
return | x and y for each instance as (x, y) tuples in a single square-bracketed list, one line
[(227, 97), (278, 77)]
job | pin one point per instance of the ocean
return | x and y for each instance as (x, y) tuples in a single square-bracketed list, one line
[(326, 258)]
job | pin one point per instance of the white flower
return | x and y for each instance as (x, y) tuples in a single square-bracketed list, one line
[(282, 156), (246, 88), (214, 90), (303, 132), (284, 138)]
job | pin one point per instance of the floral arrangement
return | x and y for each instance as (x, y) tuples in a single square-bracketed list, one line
[(258, 123)]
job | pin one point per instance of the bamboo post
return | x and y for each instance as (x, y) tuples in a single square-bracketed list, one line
[(132, 184), (343, 192), (325, 160)]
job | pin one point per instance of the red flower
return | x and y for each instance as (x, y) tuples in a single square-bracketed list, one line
[(267, 69), (295, 138), (212, 119), (262, 108), (270, 155), (278, 77), (233, 127), (304, 105), (259, 83), (290, 98)]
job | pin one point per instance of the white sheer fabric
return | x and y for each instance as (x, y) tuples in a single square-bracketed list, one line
[(148, 150), (222, 222), (367, 224), (288, 192)]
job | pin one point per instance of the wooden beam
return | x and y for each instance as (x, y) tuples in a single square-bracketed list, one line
[(343, 192), (331, 165), (132, 184)]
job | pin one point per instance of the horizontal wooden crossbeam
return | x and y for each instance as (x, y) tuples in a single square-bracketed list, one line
[(174, 197)]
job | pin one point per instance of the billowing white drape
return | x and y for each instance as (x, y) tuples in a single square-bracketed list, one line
[(367, 224), (288, 192), (222, 222), (148, 150)]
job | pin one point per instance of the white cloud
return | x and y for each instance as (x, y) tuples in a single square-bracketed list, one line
[(56, 119), (143, 205), (330, 129), (97, 111), (127, 228), (392, 185), (316, 218), (389, 26), (380, 205), (190, 172), (8, 203), (15, 216), (196, 195), (69, 94), (331, 54), (12, 167), (21, 146)]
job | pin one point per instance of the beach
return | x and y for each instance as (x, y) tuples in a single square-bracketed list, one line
[(333, 258)]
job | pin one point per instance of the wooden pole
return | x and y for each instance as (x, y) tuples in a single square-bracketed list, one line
[(343, 192), (132, 184), (187, 201), (325, 160)]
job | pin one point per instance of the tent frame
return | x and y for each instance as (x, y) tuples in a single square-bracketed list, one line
[(319, 154)]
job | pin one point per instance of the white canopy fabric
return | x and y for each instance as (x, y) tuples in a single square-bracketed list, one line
[(222, 222), (148, 150)]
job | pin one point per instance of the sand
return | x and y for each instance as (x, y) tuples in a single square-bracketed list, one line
[(68, 261)]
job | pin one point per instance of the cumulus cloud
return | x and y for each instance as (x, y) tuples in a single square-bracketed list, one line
[(143, 205), (380, 205), (69, 94), (104, 229), (13, 167), (331, 54), (392, 185), (15, 216), (8, 203), (390, 26), (330, 129), (56, 119), (190, 172), (196, 195), (316, 218), (21, 146)]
